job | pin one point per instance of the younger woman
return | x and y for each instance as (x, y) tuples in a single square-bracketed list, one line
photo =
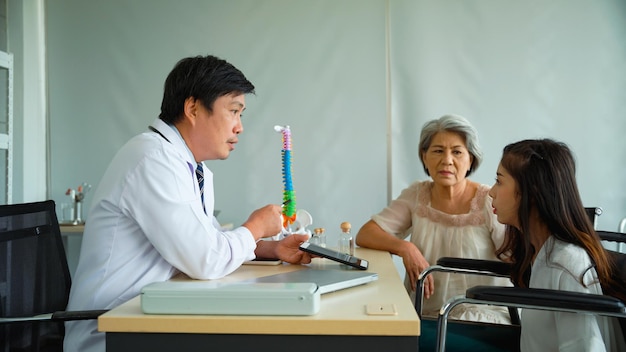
[(553, 245)]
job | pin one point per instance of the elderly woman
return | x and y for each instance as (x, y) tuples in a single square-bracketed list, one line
[(450, 216)]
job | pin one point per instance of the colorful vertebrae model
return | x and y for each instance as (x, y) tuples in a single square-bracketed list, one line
[(289, 195)]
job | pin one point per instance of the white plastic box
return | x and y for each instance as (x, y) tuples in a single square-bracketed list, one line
[(212, 298)]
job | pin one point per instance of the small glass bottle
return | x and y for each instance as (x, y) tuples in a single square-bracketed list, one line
[(318, 237), (346, 241)]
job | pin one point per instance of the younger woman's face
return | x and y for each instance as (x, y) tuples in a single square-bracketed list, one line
[(505, 198)]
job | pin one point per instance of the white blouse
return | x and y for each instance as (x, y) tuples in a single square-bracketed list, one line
[(562, 266), (476, 234)]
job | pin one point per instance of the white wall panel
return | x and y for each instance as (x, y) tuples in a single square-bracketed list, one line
[(318, 66), (515, 69)]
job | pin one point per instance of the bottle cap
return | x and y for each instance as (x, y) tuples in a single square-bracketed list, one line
[(345, 226), (318, 230)]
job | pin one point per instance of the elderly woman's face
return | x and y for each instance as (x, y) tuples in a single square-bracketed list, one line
[(447, 158)]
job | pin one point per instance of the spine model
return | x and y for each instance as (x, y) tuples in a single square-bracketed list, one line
[(289, 195)]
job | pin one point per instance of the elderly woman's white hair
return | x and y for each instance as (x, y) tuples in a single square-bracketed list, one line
[(456, 124)]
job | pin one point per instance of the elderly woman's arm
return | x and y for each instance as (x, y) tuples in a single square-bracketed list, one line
[(371, 235)]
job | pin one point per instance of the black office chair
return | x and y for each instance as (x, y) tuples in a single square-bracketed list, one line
[(34, 279), (543, 299), (505, 337)]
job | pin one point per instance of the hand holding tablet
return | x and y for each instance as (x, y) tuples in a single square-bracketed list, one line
[(343, 258)]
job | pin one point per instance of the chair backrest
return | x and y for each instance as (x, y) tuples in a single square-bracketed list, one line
[(620, 262), (619, 259), (34, 275), (593, 213)]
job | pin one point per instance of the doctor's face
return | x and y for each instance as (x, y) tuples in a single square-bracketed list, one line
[(505, 198), (216, 132)]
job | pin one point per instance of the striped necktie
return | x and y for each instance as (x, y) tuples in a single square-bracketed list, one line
[(200, 176)]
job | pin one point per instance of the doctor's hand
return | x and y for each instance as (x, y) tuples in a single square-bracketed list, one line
[(287, 249), (265, 222)]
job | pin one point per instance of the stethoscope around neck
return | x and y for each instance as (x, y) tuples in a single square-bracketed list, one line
[(159, 132)]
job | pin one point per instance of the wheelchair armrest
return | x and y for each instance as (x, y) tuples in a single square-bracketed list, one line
[(77, 315), (612, 236), (494, 266), (547, 299), (462, 266), (56, 316)]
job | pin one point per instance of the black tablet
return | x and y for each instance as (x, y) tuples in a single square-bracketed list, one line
[(343, 258)]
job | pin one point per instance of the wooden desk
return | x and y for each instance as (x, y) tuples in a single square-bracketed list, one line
[(342, 323), (69, 229)]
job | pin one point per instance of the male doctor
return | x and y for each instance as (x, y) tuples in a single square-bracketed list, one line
[(150, 219)]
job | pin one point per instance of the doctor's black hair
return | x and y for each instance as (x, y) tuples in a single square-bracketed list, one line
[(205, 78)]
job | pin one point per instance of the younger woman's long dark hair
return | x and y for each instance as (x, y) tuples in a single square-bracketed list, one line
[(545, 173)]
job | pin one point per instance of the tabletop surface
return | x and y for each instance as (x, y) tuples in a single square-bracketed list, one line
[(341, 313), (71, 228)]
